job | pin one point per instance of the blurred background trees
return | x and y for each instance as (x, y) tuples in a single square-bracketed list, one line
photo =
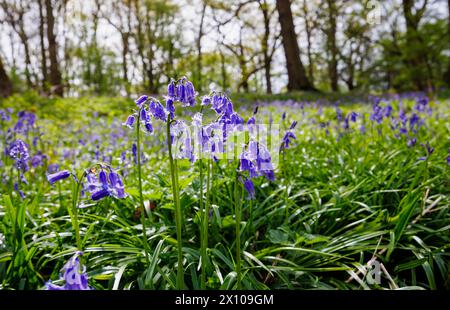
[(125, 47)]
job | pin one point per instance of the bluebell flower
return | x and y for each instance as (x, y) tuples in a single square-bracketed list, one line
[(141, 100), (74, 275), (130, 121), (5, 115), (171, 91), (170, 107), (38, 159), (100, 194), (55, 177), (134, 151), (287, 139), (250, 188), (157, 110), (52, 168), (148, 126), (206, 100), (353, 116), (19, 152), (25, 122)]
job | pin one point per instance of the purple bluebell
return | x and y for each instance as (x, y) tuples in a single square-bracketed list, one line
[(190, 93), (206, 100), (141, 100), (38, 159), (157, 110), (55, 177), (25, 122), (171, 90), (170, 107), (250, 188), (74, 275), (100, 194), (117, 188), (53, 168), (130, 121), (134, 151), (411, 142), (19, 152), (148, 126), (287, 139), (353, 116)]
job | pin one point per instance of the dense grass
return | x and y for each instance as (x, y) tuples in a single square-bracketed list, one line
[(342, 196)]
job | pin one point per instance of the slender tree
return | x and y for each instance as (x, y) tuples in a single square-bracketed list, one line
[(55, 73), (296, 72), (6, 87), (42, 45)]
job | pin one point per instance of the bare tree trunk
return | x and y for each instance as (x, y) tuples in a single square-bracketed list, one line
[(24, 39), (265, 46), (42, 43), (296, 72), (55, 73), (331, 42), (448, 64), (308, 31), (140, 41), (125, 48), (5, 83), (199, 47)]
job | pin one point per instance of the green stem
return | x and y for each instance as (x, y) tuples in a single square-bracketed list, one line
[(286, 194), (203, 243), (237, 210), (141, 197), (173, 173), (205, 223), (75, 223)]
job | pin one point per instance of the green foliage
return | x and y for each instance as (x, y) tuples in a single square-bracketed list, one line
[(351, 196)]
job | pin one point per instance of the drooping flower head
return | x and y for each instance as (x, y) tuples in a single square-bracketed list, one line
[(74, 275), (104, 183), (57, 176), (19, 152)]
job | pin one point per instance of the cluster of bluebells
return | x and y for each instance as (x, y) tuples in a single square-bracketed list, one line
[(74, 275), (193, 140), (289, 136), (19, 152), (104, 184), (25, 122)]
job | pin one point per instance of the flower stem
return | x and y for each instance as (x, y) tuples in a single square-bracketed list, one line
[(141, 197), (76, 226), (237, 210), (202, 229), (173, 173)]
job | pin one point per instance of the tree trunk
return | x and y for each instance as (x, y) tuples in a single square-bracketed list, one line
[(308, 31), (416, 60), (26, 47), (331, 42), (199, 48), (42, 46), (296, 72), (448, 63), (125, 48), (5, 83), (55, 73), (265, 46)]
